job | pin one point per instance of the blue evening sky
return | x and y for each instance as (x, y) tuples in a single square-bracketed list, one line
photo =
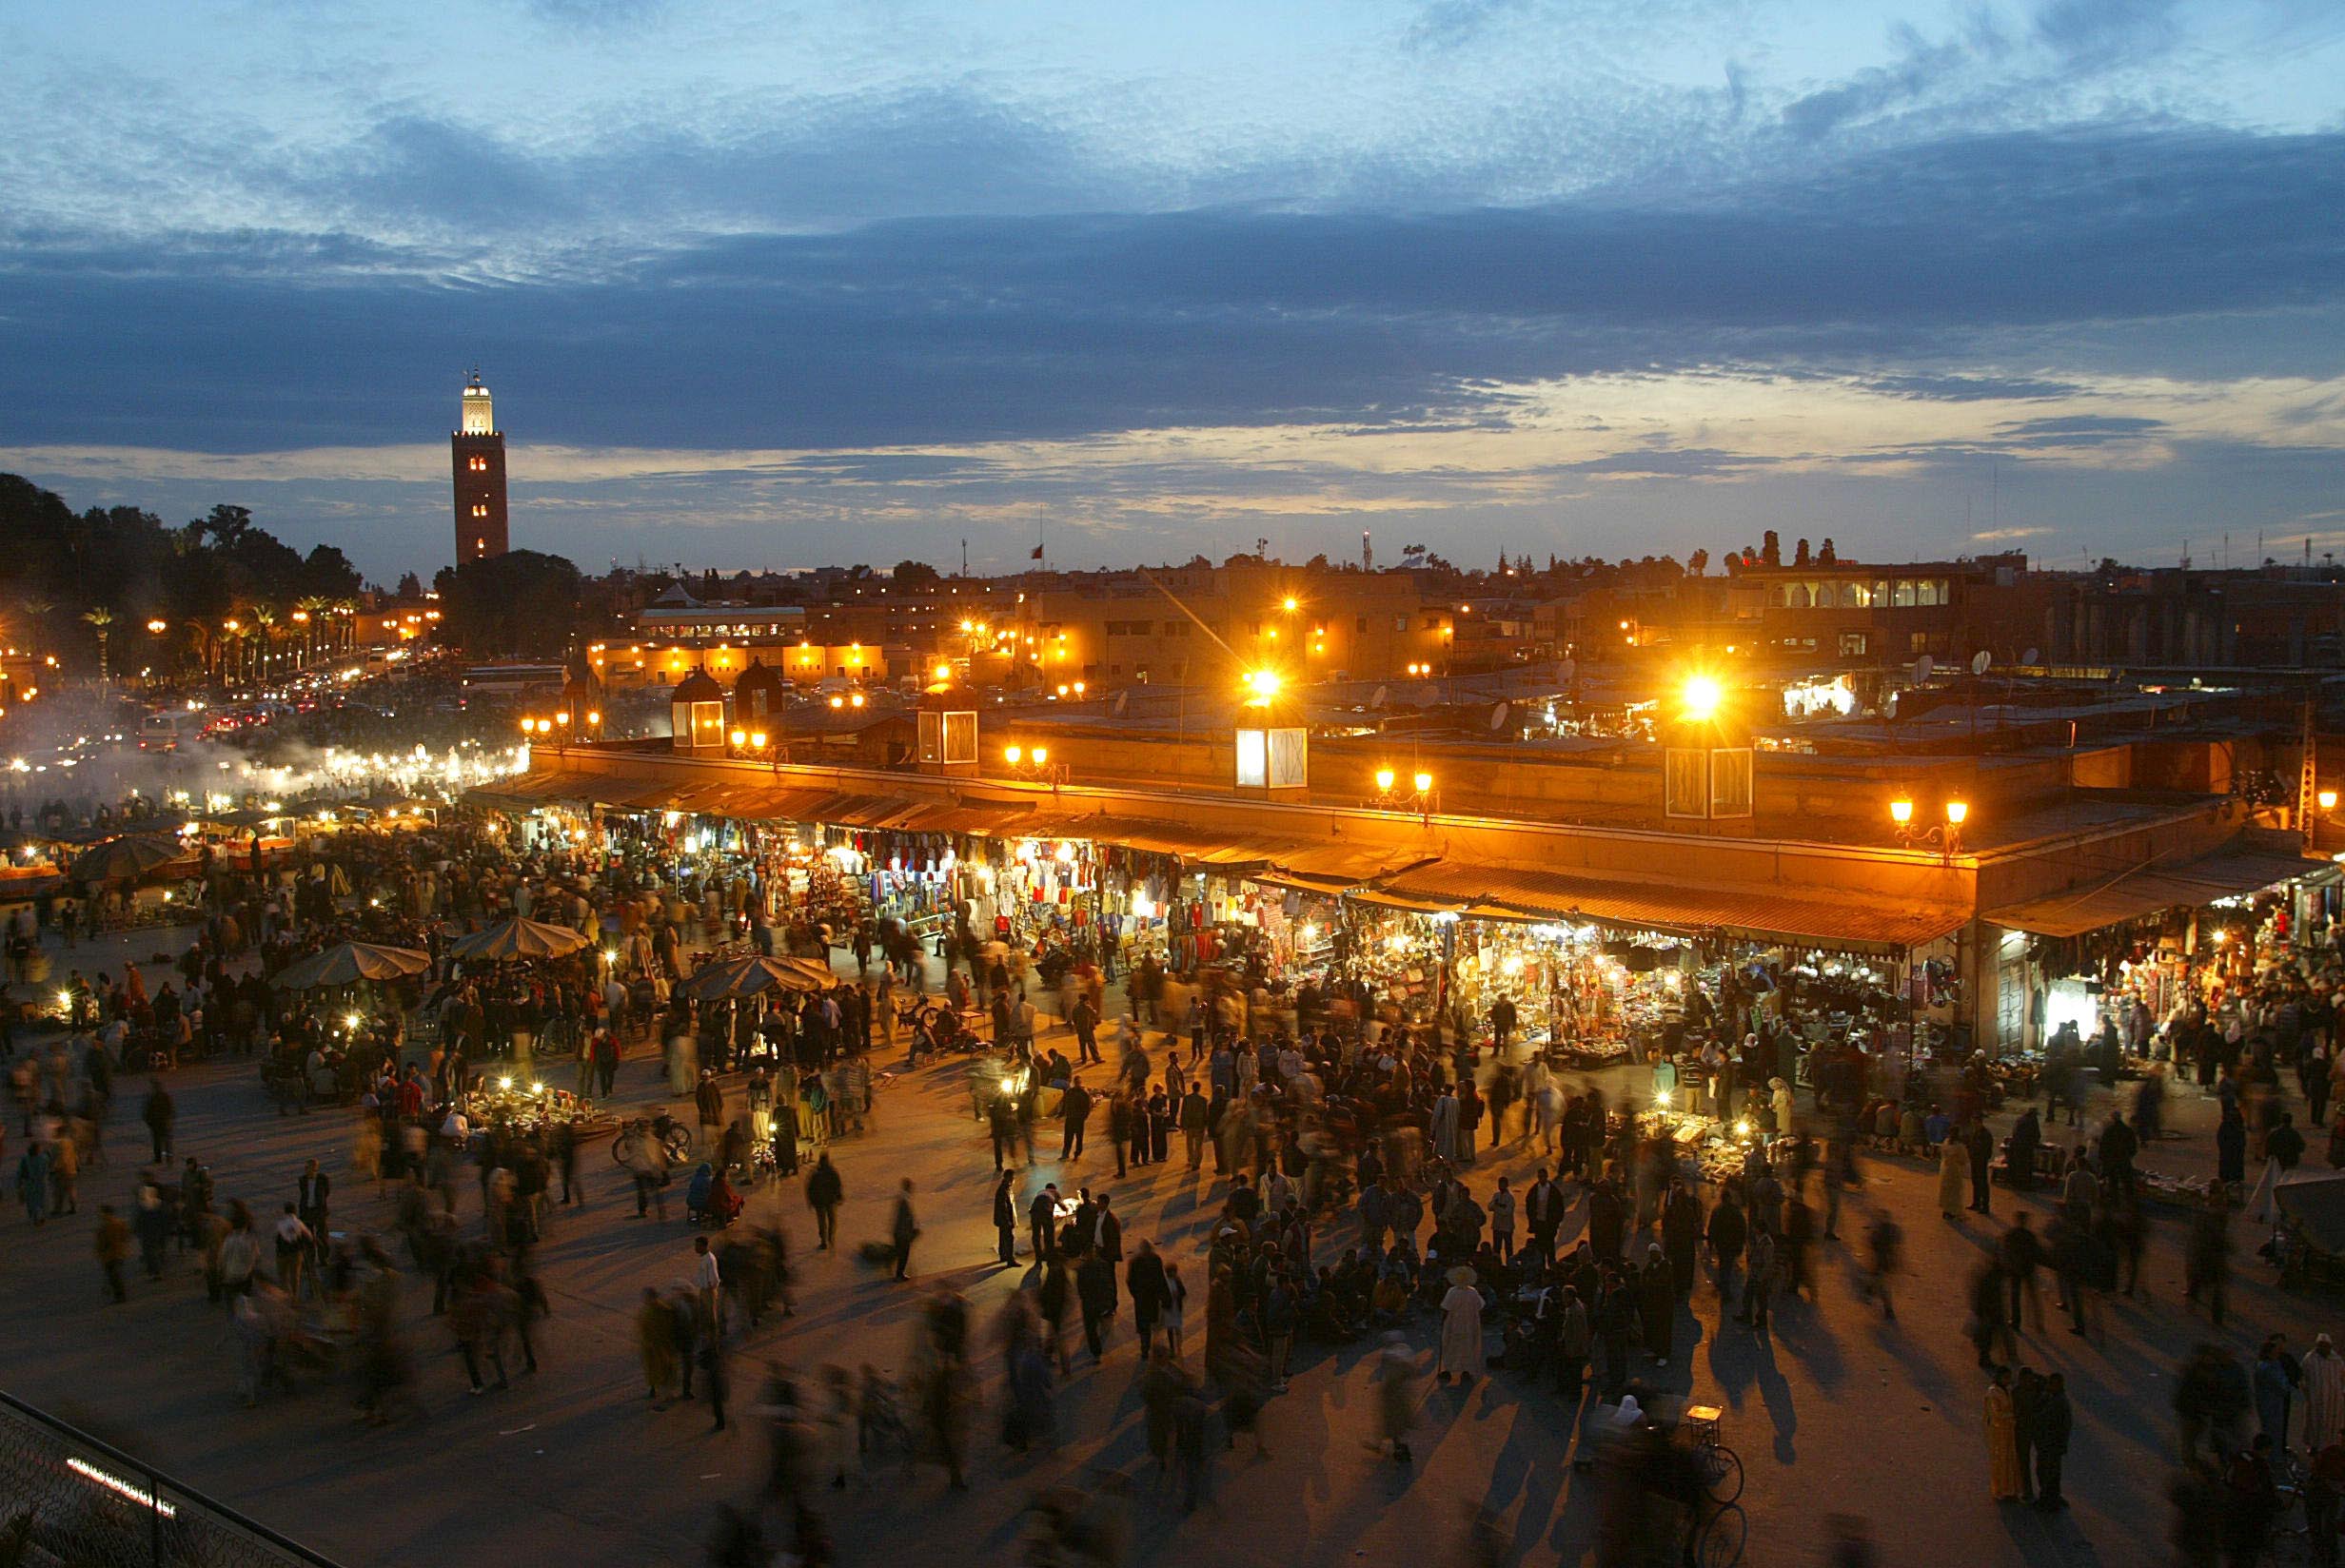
[(773, 284)]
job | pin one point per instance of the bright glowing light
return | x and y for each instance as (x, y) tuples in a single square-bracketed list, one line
[(1042, 755), (1424, 783), (1900, 811), (1701, 697), (1957, 811), (1293, 602), (757, 738), (1383, 780), (1065, 855), (741, 737), (2327, 799), (1660, 1098), (1011, 754), (505, 1082), (1742, 1128), (1264, 684), (944, 672)]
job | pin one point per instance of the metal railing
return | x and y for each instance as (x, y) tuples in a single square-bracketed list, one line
[(67, 1499)]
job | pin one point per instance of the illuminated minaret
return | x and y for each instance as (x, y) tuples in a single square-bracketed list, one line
[(477, 452)]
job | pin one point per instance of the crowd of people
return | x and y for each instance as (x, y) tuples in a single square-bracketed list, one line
[(1369, 1183)]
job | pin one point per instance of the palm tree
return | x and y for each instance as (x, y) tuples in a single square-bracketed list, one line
[(310, 609), (103, 619), (265, 618), (36, 613), (346, 610)]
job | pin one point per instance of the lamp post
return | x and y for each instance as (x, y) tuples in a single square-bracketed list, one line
[(1420, 797), (1033, 762), (1945, 837)]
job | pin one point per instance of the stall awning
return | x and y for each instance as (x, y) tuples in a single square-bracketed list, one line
[(1531, 893), (1210, 847), (944, 816), (534, 788), (1335, 868), (2147, 890)]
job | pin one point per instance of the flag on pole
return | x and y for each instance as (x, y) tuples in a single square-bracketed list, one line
[(1038, 555)]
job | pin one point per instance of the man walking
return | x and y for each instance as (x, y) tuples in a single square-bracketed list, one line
[(1074, 1110), (160, 1114), (904, 1231), (824, 1193)]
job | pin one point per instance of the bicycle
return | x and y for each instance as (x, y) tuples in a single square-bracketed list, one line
[(1719, 1467), (2287, 1540), (627, 1145)]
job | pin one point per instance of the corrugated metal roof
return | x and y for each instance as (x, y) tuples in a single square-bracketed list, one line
[(2149, 888), (1527, 893)]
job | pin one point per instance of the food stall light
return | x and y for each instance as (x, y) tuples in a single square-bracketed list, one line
[(1066, 854), (505, 1082), (1742, 1128), (350, 1020), (1702, 698), (65, 999), (1660, 1098), (537, 1088)]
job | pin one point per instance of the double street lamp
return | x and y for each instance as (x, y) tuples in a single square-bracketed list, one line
[(1945, 837)]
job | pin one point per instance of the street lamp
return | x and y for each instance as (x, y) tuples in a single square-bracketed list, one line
[(1420, 799), (1945, 837)]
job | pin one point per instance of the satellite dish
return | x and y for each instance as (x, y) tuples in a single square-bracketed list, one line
[(1980, 660), (1377, 699), (1922, 667), (2028, 657), (1888, 707), (1498, 715), (1123, 700)]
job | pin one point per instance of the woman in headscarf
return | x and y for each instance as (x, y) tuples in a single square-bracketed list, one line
[(1953, 1172), (2003, 1481)]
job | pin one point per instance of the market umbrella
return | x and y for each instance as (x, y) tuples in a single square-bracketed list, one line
[(750, 976), (347, 963), (125, 859), (517, 938)]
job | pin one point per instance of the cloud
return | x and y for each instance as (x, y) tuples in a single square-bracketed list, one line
[(2007, 536)]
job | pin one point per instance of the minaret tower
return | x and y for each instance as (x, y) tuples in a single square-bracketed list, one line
[(478, 453)]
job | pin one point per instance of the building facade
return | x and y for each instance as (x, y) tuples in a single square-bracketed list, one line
[(476, 455)]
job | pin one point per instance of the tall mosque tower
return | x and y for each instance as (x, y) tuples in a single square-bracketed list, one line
[(477, 453)]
